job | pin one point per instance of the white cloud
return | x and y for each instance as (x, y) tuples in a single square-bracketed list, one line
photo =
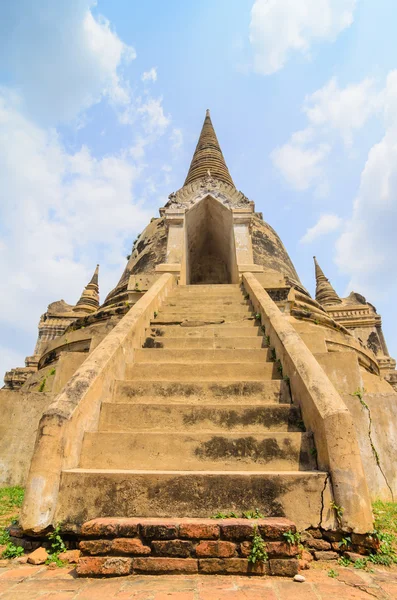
[(58, 212), (176, 139), (155, 121), (299, 165), (280, 27), (367, 248), (333, 114), (61, 57), (326, 224), (343, 110), (150, 75)]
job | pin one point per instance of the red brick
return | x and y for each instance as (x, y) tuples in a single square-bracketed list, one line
[(334, 536), (216, 549), (131, 546), (318, 544), (165, 565), (365, 540), (330, 555), (273, 549), (164, 531), (199, 531), (284, 567), (110, 527), (273, 528), (70, 556), (316, 533), (232, 566), (237, 529), (179, 548), (94, 547), (307, 556), (245, 549), (103, 565), (281, 549)]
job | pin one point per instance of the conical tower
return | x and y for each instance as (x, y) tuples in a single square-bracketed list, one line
[(89, 299), (325, 293), (208, 157)]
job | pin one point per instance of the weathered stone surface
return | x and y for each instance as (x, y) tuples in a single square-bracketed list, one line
[(218, 549), (104, 527), (284, 567), (95, 547), (103, 565), (307, 556), (70, 556), (38, 557), (159, 531), (273, 528), (274, 549), (199, 531), (167, 566), (318, 544), (324, 555), (132, 546), (353, 556), (281, 549), (178, 548), (236, 530), (365, 540), (315, 533), (232, 566)]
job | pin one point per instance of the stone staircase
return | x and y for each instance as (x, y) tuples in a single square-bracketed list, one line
[(203, 423)]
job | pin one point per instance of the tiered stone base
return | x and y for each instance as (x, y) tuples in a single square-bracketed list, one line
[(112, 547)]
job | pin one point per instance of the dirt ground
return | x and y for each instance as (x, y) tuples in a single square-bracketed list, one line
[(23, 582)]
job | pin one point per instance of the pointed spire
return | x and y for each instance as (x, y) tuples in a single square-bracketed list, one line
[(89, 299), (325, 293), (208, 157)]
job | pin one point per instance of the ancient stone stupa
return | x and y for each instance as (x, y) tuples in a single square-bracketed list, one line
[(208, 381)]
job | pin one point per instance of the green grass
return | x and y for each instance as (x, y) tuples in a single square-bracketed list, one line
[(385, 514), (11, 499)]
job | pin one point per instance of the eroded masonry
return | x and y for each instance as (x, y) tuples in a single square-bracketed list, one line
[(209, 381)]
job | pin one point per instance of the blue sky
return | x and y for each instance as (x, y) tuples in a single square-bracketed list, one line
[(101, 106)]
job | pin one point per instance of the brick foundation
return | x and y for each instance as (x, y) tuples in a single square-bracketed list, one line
[(160, 546), (116, 546)]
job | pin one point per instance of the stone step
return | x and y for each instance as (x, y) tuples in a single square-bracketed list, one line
[(275, 451), (246, 329), (238, 301), (187, 417), (204, 371), (208, 310), (200, 355), (198, 392), (225, 287), (88, 494), (224, 343), (204, 319)]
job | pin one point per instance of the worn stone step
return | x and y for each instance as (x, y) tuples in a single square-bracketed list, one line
[(189, 371), (275, 451), (197, 315), (193, 301), (85, 494), (247, 329), (236, 319), (206, 289), (187, 417), (201, 355), (198, 392), (224, 343)]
